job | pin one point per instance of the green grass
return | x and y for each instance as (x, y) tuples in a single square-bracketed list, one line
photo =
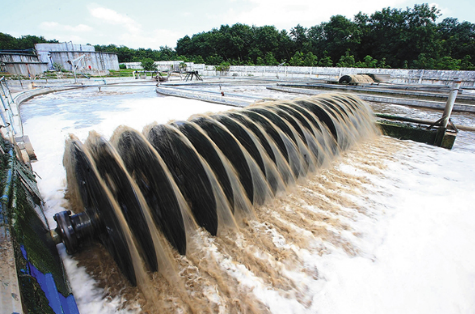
[(121, 73), (67, 74), (124, 70)]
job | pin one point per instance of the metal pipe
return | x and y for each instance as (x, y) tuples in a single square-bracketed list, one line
[(216, 92), (7, 104), (9, 272), (6, 124), (6, 190), (450, 103), (420, 121), (444, 121)]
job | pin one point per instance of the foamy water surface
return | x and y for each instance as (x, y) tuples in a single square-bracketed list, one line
[(388, 227)]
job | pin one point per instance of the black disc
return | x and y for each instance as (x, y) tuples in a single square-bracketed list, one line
[(341, 118), (348, 105), (270, 130), (264, 140), (254, 129), (188, 173), (302, 131), (246, 141), (238, 131), (97, 204), (287, 133), (143, 164), (290, 119), (335, 106), (278, 121), (321, 114), (125, 194), (230, 148), (307, 114), (331, 145), (204, 147), (325, 117)]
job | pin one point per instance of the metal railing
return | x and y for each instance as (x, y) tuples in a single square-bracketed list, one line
[(8, 109)]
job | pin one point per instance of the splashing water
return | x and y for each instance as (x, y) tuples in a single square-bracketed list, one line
[(225, 173)]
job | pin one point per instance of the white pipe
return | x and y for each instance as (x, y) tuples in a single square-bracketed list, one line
[(420, 78), (450, 103)]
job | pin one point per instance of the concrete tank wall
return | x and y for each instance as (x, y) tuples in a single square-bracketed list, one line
[(61, 53), (43, 50), (22, 64), (333, 73), (168, 65), (99, 61)]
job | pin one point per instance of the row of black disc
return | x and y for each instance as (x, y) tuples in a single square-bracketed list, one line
[(150, 182)]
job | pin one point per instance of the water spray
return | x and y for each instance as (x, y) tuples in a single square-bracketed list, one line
[(205, 173)]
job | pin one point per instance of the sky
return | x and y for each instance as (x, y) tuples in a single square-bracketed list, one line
[(152, 24)]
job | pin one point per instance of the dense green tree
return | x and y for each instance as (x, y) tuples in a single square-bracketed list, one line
[(467, 64), (148, 64), (346, 61), (424, 62), (399, 35), (286, 47), (297, 59), (198, 60), (369, 62), (8, 42), (298, 34), (340, 34), (310, 60), (223, 67), (382, 64), (270, 59), (326, 60), (457, 39), (317, 40), (214, 60), (448, 63), (184, 46), (125, 54)]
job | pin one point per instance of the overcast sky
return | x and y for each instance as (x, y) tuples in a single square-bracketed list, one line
[(151, 24)]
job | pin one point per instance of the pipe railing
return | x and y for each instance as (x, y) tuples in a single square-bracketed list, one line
[(7, 114)]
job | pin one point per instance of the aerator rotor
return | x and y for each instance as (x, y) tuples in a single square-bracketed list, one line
[(138, 186), (73, 230)]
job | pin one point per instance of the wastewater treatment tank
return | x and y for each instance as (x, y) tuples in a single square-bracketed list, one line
[(250, 203), (137, 190)]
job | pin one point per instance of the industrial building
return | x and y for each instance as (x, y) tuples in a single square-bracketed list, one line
[(21, 63), (84, 56), (66, 56)]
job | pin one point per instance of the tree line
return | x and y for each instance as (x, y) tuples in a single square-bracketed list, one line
[(8, 42), (392, 38), (125, 54), (397, 38)]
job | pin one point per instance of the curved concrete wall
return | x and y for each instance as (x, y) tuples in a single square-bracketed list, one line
[(407, 76)]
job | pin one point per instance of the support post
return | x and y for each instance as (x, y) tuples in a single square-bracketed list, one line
[(444, 121), (420, 78)]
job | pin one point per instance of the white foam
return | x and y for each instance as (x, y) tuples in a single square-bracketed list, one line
[(422, 261), (416, 249), (48, 133)]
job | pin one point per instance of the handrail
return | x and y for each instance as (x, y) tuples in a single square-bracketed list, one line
[(7, 101)]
